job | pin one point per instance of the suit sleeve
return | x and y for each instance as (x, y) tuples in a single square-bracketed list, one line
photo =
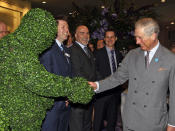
[(45, 60), (118, 78), (172, 96)]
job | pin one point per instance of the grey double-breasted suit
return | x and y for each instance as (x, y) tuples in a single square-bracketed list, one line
[(146, 103)]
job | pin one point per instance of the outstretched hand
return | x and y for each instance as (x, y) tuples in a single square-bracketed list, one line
[(93, 85)]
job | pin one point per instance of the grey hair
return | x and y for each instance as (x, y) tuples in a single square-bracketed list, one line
[(149, 24)]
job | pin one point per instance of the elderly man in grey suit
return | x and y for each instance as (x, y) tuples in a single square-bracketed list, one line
[(150, 70)]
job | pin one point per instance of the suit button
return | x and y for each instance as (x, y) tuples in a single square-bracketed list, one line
[(133, 103), (135, 79), (147, 93), (145, 106), (135, 91), (153, 81)]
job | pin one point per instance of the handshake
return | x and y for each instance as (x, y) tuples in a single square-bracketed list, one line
[(93, 85)]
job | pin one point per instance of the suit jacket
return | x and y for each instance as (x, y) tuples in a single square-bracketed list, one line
[(146, 103), (103, 64), (104, 70), (82, 65), (55, 62)]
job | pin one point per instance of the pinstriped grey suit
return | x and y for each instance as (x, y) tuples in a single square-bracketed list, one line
[(145, 108)]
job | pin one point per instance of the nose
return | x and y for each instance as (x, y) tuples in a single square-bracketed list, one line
[(137, 41)]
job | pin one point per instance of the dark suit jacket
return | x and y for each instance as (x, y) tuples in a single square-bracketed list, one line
[(106, 103), (104, 70), (55, 62), (102, 62), (82, 65)]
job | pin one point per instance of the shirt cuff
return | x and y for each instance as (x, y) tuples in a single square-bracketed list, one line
[(171, 125), (97, 86)]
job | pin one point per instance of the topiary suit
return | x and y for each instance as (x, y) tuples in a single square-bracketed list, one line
[(26, 88)]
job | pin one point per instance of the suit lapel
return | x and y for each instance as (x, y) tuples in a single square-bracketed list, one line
[(60, 53), (140, 62), (156, 60), (82, 51)]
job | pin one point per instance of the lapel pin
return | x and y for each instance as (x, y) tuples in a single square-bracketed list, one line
[(67, 55), (156, 60)]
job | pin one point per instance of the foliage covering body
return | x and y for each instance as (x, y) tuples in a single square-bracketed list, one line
[(26, 88)]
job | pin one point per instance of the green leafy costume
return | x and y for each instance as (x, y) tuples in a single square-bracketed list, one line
[(26, 88)]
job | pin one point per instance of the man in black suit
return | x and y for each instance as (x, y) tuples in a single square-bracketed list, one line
[(56, 61), (106, 104), (83, 65)]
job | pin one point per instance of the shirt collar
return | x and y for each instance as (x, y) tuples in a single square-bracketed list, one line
[(81, 45), (153, 50), (58, 42), (108, 49)]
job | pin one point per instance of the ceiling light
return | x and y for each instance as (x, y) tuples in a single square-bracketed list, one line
[(44, 2), (172, 23), (163, 1), (102, 6)]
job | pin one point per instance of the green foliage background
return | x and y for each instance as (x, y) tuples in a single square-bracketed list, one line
[(26, 88)]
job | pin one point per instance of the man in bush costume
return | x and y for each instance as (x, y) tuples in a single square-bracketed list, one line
[(26, 88)]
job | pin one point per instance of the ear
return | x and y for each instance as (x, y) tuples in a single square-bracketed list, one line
[(76, 35), (116, 38), (154, 36)]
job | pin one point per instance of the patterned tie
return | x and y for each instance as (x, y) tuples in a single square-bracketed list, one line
[(62, 47), (86, 51), (113, 61), (147, 59), (64, 53)]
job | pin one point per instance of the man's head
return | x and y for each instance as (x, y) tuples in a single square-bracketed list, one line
[(91, 47), (110, 38), (146, 33), (63, 29), (82, 34), (100, 44), (3, 29)]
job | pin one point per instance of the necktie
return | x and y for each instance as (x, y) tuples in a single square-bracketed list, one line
[(86, 51), (147, 59), (62, 47), (113, 61)]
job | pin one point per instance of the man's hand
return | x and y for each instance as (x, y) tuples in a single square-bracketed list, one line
[(93, 84), (67, 103), (170, 128)]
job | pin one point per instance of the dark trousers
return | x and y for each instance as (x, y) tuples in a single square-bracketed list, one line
[(105, 108), (57, 118), (81, 118)]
